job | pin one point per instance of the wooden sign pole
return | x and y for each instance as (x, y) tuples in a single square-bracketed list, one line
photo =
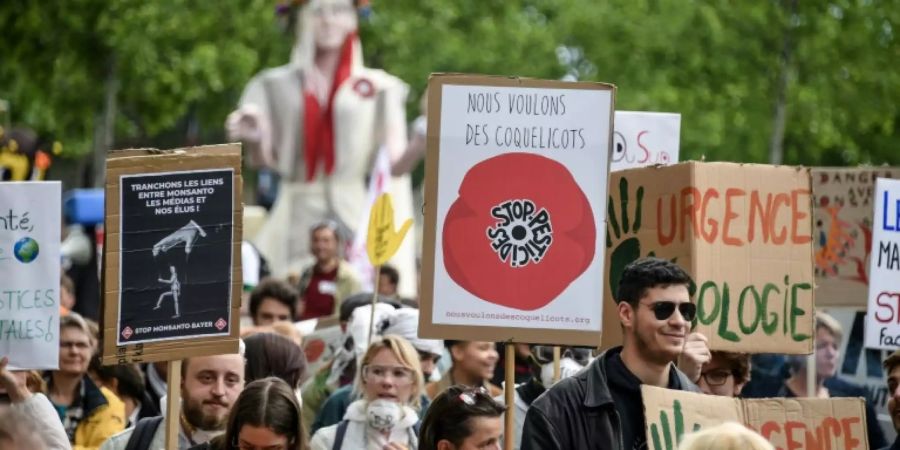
[(811, 390), (374, 301), (173, 403), (556, 358), (509, 389)]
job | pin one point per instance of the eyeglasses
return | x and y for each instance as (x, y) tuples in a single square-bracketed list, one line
[(544, 354), (468, 395), (401, 375), (76, 345), (716, 377), (663, 310)]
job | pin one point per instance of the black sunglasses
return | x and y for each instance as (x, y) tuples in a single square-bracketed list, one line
[(663, 310)]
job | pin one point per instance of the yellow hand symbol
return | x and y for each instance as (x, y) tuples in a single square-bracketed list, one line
[(382, 241)]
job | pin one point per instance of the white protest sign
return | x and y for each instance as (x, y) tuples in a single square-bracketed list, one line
[(645, 138), (30, 224), (883, 320), (515, 209)]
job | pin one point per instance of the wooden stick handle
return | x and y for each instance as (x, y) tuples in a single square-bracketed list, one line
[(374, 300), (509, 389), (556, 358), (173, 403)]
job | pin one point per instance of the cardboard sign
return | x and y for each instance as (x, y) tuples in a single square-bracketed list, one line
[(173, 258), (843, 200), (645, 139), (515, 198), (741, 231), (29, 273), (883, 320), (788, 423)]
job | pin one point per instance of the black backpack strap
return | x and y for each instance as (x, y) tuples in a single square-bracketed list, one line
[(339, 434), (143, 433)]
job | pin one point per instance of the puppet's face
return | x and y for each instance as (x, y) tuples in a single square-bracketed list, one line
[(332, 21)]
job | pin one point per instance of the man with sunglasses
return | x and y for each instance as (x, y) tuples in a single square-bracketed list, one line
[(601, 406)]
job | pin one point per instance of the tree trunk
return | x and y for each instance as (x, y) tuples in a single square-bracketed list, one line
[(776, 145), (105, 124)]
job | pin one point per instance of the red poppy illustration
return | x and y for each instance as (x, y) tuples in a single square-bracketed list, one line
[(520, 231)]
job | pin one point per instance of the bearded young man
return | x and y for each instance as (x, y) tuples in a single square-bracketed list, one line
[(209, 386), (601, 406)]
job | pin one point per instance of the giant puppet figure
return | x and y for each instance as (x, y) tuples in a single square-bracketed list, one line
[(320, 121)]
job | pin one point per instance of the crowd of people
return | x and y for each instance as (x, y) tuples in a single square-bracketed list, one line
[(404, 392), (395, 391)]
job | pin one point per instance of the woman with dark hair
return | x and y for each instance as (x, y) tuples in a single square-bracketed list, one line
[(462, 418), (273, 355), (265, 416)]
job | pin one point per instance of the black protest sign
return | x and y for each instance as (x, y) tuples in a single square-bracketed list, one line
[(172, 278), (176, 255)]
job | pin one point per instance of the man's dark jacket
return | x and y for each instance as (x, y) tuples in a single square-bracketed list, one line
[(578, 413)]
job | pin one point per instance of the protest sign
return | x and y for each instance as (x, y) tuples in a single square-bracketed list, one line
[(645, 139), (29, 273), (742, 231), (788, 423), (843, 204), (172, 256), (516, 174), (883, 320)]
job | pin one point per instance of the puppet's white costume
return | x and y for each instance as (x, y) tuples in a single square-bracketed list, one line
[(325, 155)]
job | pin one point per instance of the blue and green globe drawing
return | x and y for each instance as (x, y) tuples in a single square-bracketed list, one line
[(26, 249)]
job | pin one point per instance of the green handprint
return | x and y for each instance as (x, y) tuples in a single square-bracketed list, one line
[(629, 249), (671, 441)]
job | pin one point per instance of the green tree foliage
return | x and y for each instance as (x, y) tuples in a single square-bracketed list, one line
[(719, 63), (168, 58), (716, 62)]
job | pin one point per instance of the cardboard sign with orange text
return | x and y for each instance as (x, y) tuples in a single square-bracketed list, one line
[(743, 233), (788, 423), (842, 233)]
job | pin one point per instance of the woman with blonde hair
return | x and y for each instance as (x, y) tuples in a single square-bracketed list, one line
[(391, 384), (727, 436)]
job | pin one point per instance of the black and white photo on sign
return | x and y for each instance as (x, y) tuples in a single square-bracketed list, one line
[(176, 255)]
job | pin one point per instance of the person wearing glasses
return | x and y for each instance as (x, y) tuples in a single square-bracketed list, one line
[(391, 383), (725, 374), (463, 418), (90, 414), (602, 405), (402, 322), (266, 416)]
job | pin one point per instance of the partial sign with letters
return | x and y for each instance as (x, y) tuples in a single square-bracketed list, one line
[(645, 139), (843, 205), (29, 273), (788, 423), (883, 320)]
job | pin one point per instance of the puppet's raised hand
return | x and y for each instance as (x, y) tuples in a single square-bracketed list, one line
[(382, 240)]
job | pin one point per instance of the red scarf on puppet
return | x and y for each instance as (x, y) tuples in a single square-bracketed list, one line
[(318, 121)]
